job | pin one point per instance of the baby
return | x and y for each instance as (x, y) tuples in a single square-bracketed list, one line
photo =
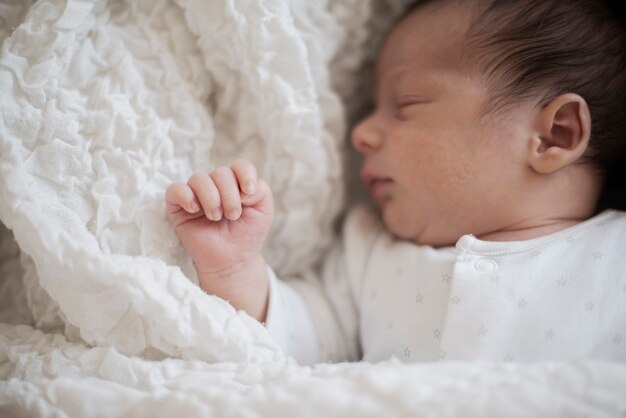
[(496, 126)]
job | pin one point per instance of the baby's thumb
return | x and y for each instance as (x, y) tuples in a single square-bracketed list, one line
[(261, 200)]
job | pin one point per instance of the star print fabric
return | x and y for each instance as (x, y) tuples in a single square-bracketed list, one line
[(559, 297)]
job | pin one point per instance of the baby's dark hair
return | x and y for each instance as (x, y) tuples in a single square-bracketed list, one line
[(545, 48)]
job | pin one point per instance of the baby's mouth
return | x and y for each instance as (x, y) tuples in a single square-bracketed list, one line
[(377, 185), (379, 182)]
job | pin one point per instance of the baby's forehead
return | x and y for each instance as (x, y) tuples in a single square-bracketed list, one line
[(431, 37)]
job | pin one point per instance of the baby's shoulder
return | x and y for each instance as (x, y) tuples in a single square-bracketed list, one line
[(362, 218), (361, 228), (608, 224), (600, 237), (615, 216), (362, 223)]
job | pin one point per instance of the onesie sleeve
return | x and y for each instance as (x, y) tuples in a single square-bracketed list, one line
[(290, 324), (315, 318)]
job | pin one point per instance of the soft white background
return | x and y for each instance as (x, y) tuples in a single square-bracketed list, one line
[(105, 103)]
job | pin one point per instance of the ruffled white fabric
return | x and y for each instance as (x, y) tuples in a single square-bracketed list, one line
[(102, 105), (52, 377)]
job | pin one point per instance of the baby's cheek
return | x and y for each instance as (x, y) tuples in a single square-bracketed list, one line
[(460, 176)]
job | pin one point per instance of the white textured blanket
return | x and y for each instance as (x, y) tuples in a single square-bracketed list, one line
[(102, 105)]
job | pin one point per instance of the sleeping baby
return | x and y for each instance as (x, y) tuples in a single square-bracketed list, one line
[(496, 127)]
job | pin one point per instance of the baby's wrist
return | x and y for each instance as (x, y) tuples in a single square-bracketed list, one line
[(237, 271), (244, 285)]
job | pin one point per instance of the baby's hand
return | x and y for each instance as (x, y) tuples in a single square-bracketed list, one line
[(222, 219)]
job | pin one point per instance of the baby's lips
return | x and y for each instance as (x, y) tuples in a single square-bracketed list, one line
[(369, 179)]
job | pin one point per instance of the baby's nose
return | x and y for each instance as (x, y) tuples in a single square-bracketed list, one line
[(367, 135)]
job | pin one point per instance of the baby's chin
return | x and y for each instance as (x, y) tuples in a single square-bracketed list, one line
[(399, 225), (410, 226)]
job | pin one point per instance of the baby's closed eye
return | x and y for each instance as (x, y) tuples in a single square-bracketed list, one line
[(406, 105), (410, 100)]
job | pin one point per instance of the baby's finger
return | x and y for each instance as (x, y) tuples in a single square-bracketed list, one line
[(246, 175), (262, 199), (179, 195), (226, 183), (207, 193)]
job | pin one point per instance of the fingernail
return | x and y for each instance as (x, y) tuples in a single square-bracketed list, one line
[(250, 187), (193, 207), (216, 214), (234, 214)]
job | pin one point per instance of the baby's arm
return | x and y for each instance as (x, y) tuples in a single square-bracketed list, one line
[(317, 317), (222, 219), (222, 223)]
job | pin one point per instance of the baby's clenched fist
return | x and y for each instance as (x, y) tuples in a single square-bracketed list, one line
[(222, 219)]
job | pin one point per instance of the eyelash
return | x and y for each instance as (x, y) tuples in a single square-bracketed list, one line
[(402, 103), (400, 107), (409, 101)]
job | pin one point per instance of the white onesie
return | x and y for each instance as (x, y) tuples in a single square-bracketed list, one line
[(555, 298)]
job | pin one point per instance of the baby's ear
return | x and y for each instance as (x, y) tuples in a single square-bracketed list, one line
[(561, 134)]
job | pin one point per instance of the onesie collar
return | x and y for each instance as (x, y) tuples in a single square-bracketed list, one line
[(470, 244)]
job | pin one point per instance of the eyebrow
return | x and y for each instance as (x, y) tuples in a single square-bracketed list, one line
[(401, 74)]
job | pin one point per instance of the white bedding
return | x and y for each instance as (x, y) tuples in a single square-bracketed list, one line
[(82, 382), (102, 104)]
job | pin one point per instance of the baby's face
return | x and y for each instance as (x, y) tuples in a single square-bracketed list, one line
[(434, 163)]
